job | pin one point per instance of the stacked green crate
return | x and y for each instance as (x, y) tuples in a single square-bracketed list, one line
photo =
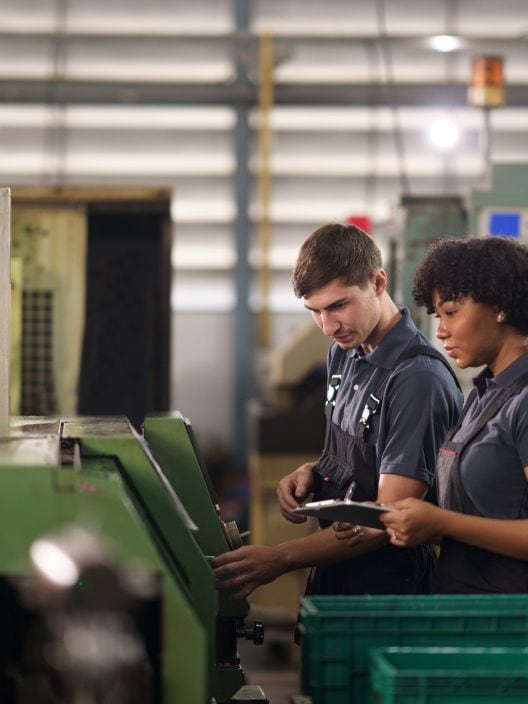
[(449, 675), (338, 634)]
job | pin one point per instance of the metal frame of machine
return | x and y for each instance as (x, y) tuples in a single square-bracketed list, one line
[(147, 503)]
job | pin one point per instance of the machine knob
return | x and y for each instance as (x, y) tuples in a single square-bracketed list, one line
[(256, 634), (233, 536)]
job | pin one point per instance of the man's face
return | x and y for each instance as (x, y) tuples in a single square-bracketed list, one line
[(347, 314)]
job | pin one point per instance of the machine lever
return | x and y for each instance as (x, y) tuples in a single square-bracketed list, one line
[(255, 634)]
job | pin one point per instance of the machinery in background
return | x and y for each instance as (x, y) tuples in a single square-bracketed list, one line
[(106, 592), (48, 273), (427, 218), (91, 279), (287, 429), (502, 210)]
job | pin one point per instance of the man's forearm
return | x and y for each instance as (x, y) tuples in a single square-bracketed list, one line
[(323, 548)]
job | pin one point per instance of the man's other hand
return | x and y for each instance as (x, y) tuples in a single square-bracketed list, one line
[(294, 489)]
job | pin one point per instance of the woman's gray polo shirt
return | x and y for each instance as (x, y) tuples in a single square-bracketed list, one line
[(492, 465)]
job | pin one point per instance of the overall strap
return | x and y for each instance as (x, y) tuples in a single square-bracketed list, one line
[(335, 375), (492, 409), (467, 405), (374, 400)]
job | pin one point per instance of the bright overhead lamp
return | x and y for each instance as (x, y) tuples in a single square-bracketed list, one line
[(445, 43), (444, 134)]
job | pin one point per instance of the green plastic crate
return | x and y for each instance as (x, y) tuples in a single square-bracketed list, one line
[(449, 675), (338, 633)]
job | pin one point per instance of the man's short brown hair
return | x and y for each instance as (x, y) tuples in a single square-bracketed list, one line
[(335, 251)]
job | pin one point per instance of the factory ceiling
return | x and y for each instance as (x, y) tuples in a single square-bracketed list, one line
[(338, 52)]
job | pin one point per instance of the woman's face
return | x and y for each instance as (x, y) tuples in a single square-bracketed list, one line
[(469, 331)]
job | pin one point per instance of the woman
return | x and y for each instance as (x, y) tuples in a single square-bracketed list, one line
[(478, 290)]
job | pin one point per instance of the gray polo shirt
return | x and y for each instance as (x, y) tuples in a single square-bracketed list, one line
[(492, 465), (420, 404)]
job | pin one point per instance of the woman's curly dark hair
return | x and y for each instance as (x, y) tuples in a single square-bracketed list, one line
[(491, 270)]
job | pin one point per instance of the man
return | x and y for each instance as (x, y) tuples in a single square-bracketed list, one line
[(391, 399)]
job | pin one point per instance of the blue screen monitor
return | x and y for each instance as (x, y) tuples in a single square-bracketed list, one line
[(503, 224)]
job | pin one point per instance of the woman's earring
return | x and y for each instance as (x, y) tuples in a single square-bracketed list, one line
[(500, 318)]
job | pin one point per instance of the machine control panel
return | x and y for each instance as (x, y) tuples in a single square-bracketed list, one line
[(504, 221)]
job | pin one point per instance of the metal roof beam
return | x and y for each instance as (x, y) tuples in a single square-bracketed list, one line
[(322, 94)]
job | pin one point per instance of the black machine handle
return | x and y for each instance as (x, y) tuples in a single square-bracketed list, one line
[(255, 634)]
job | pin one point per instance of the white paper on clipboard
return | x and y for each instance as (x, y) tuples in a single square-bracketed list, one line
[(362, 514)]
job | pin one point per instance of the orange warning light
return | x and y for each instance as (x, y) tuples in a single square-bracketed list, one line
[(487, 82)]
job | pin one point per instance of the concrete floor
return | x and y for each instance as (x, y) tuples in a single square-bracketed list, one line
[(274, 666)]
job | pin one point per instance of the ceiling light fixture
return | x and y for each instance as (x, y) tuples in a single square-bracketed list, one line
[(445, 43)]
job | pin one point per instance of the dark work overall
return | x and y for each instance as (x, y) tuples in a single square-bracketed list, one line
[(462, 568), (345, 457)]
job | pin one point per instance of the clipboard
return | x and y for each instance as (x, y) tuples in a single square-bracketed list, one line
[(362, 514)]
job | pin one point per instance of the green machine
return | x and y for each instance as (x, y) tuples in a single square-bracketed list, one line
[(106, 592), (427, 218), (501, 210)]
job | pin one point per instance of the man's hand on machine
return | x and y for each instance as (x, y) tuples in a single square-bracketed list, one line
[(294, 489), (245, 569)]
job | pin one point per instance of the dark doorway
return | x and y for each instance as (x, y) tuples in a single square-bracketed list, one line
[(125, 362)]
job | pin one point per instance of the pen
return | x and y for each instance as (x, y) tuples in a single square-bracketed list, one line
[(350, 491), (348, 496)]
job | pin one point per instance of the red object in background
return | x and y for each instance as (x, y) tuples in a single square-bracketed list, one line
[(361, 221)]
